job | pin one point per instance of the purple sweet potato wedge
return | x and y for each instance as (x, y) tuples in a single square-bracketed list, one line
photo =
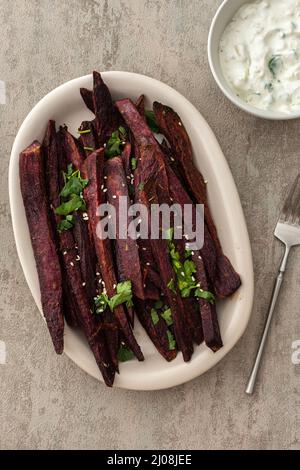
[(127, 255), (93, 169), (170, 124), (33, 190)]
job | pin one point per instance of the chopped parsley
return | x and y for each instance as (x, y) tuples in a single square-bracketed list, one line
[(133, 163), (123, 295), (116, 142), (167, 316), (274, 64), (66, 223), (158, 304), (71, 198), (154, 316), (171, 285), (184, 272), (151, 121), (171, 339), (125, 354)]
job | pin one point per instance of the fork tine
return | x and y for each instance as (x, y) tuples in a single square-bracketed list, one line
[(292, 201)]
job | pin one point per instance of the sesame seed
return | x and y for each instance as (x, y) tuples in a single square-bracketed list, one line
[(199, 257), (105, 177), (132, 175), (114, 286), (83, 284), (77, 258), (182, 273), (97, 274), (114, 196), (128, 177), (84, 214), (104, 190), (140, 221), (144, 285), (205, 181), (180, 124), (172, 159), (123, 185), (72, 264), (64, 253), (104, 145), (147, 264), (144, 248), (109, 216), (192, 253), (102, 186)]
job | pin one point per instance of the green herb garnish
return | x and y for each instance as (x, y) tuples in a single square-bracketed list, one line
[(141, 186), (88, 149), (151, 121), (274, 64), (125, 354), (71, 198), (154, 316), (167, 316), (185, 271), (133, 163), (116, 142), (158, 304), (123, 295), (171, 339), (171, 285), (84, 131), (205, 294), (66, 223)]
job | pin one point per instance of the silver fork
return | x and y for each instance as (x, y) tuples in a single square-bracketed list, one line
[(288, 232)]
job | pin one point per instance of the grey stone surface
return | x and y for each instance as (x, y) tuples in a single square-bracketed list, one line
[(48, 402)]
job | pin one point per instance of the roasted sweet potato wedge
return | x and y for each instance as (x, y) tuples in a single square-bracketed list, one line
[(93, 169), (87, 96), (127, 255), (33, 190), (170, 124)]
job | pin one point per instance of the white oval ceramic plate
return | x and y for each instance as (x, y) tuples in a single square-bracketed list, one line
[(65, 105)]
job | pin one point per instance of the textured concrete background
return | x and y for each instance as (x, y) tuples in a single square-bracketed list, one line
[(48, 402)]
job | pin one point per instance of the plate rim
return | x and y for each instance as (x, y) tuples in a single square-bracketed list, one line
[(188, 373)]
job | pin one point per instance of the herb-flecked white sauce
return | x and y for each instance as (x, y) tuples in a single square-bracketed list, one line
[(260, 54)]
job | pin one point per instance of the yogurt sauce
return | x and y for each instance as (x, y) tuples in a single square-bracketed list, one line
[(260, 54)]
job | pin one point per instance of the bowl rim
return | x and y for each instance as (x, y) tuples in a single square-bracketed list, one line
[(211, 48), (192, 369)]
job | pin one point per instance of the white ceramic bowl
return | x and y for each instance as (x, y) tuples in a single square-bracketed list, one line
[(64, 104), (223, 16)]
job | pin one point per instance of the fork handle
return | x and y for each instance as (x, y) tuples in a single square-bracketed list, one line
[(276, 291)]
